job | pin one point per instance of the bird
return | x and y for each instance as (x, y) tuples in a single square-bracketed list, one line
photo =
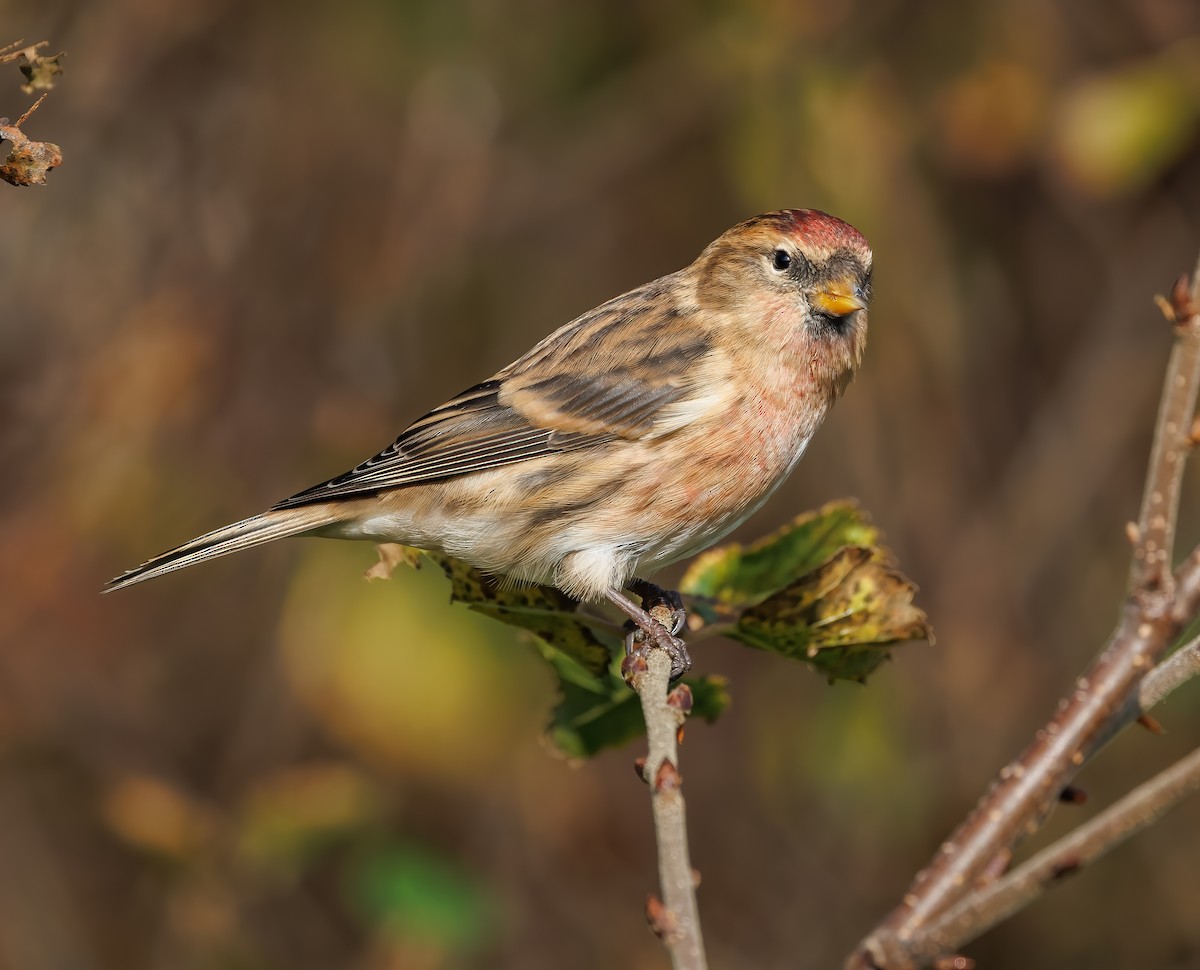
[(638, 434)]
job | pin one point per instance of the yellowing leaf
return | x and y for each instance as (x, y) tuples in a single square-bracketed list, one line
[(737, 576), (839, 617)]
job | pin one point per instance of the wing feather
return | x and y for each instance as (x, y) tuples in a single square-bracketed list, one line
[(608, 374)]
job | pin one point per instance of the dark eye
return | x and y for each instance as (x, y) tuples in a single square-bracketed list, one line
[(781, 259)]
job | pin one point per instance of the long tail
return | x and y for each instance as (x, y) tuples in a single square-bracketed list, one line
[(250, 532)]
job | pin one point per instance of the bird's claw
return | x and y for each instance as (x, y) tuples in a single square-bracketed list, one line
[(655, 599), (655, 624), (639, 642)]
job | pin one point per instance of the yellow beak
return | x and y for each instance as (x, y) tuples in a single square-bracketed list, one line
[(839, 300)]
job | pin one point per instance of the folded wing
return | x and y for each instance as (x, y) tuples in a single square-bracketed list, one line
[(606, 375)]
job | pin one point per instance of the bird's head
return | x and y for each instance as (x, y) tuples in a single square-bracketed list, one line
[(803, 275)]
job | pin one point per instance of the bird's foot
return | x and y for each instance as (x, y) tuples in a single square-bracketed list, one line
[(655, 598), (638, 643), (648, 626)]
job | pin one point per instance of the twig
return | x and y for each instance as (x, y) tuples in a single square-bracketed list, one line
[(676, 918), (1155, 611), (1176, 670), (1142, 807), (10, 52), (32, 108), (1151, 567)]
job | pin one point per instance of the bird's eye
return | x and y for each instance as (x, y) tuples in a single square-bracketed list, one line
[(781, 259)]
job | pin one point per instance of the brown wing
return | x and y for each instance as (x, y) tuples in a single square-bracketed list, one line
[(604, 375)]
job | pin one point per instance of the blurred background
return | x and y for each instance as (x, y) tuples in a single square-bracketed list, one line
[(282, 231)]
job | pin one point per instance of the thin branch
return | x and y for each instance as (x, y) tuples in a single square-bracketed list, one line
[(10, 52), (676, 919), (32, 108), (1176, 670), (1151, 567), (1141, 808), (1156, 610), (988, 904)]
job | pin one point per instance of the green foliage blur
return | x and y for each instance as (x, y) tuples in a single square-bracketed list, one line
[(280, 232)]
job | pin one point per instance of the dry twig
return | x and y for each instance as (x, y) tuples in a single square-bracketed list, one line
[(1176, 670), (952, 892), (994, 903), (10, 52), (27, 162), (675, 918)]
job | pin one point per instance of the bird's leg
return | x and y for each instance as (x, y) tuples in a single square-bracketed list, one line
[(653, 596), (648, 628)]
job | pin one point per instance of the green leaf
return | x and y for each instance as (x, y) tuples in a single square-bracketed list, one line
[(586, 721), (840, 617), (736, 576)]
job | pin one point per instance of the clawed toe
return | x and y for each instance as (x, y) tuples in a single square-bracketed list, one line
[(654, 596), (637, 640), (646, 629)]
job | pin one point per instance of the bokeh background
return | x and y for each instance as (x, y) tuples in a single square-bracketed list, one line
[(281, 231)]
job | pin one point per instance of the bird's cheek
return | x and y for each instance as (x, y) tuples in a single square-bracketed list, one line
[(779, 322)]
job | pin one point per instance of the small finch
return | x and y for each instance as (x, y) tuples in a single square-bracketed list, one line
[(636, 435)]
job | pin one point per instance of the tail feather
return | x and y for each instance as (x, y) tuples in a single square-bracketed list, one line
[(235, 537)]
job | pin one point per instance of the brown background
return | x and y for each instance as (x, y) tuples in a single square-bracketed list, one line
[(282, 231)]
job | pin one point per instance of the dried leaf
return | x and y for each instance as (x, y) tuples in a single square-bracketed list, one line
[(40, 71), (10, 52), (391, 555), (28, 161)]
